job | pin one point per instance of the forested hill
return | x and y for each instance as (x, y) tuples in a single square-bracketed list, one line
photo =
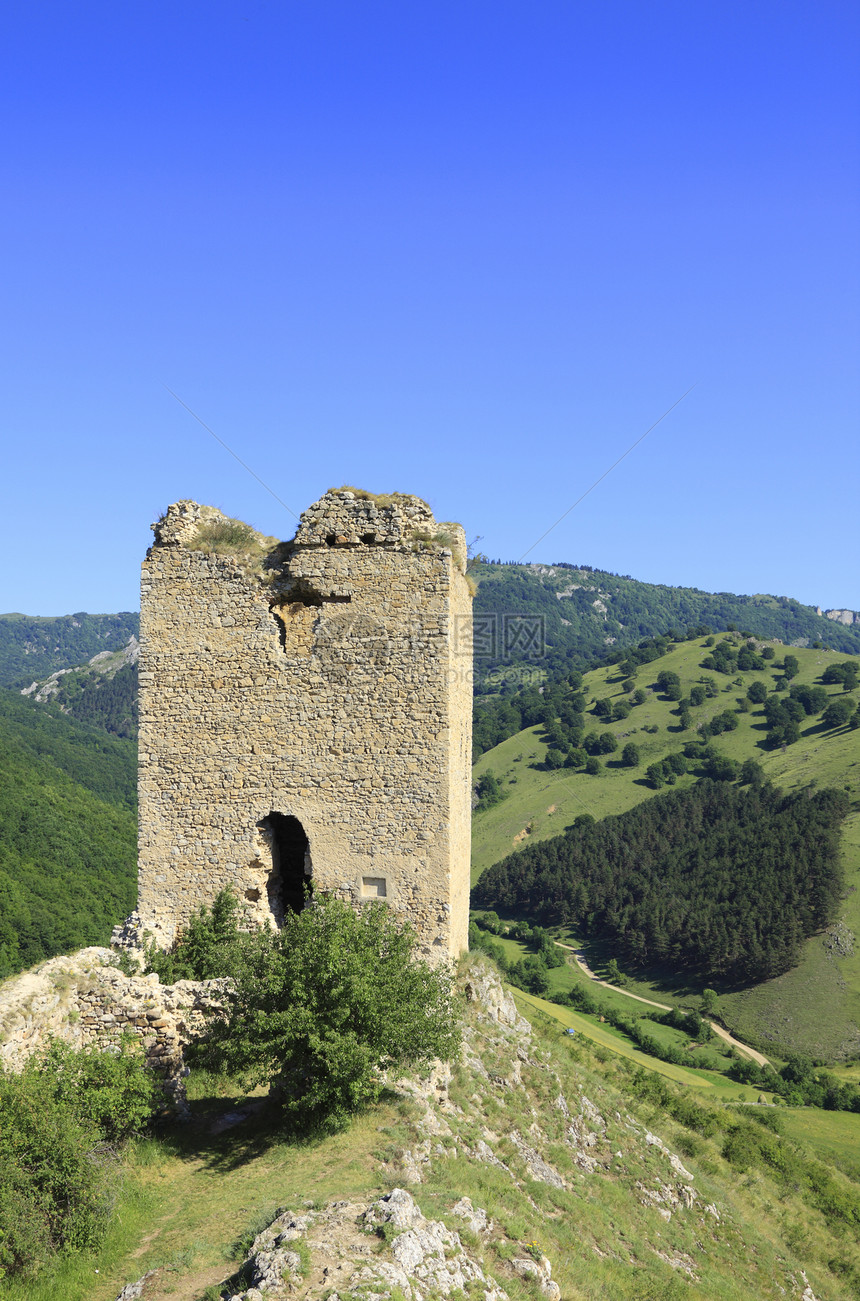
[(31, 647), (726, 880), (67, 832), (583, 613)]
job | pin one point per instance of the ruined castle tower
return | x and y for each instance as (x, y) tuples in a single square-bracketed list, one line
[(305, 715)]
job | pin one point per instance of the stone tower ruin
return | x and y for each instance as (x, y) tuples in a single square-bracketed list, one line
[(305, 715)]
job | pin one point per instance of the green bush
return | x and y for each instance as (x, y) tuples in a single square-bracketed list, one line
[(325, 1005), (202, 951), (62, 1123)]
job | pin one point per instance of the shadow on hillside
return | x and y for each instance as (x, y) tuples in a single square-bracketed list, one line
[(224, 1135)]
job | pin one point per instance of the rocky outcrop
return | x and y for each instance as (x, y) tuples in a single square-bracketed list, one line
[(846, 617), (373, 1249), (105, 664)]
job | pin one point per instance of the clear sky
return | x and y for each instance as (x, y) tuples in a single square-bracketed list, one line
[(470, 249)]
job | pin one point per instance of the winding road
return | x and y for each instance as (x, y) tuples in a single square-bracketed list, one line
[(664, 1007)]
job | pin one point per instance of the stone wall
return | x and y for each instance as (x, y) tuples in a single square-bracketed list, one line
[(87, 1002), (305, 715)]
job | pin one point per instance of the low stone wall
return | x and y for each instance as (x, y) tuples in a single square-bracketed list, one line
[(86, 1001)]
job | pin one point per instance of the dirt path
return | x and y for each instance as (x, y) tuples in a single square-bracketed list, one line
[(664, 1007)]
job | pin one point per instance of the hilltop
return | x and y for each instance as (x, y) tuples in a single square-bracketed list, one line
[(535, 1166), (585, 612)]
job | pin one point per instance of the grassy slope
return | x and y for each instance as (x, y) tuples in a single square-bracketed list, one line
[(194, 1193), (816, 1006)]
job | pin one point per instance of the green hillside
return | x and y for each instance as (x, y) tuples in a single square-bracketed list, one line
[(817, 1004), (32, 647), (585, 613), (102, 692), (67, 833)]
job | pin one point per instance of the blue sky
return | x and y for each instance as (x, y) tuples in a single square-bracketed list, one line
[(471, 250)]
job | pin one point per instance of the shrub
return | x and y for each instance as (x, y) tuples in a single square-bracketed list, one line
[(200, 952), (490, 791), (62, 1122), (325, 1005)]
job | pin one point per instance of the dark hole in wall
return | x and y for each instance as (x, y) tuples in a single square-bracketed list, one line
[(279, 607), (291, 864)]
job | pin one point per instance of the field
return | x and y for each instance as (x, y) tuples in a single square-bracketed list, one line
[(834, 1136), (814, 1008)]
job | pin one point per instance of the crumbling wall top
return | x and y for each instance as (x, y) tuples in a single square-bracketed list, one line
[(188, 524), (350, 517), (342, 518)]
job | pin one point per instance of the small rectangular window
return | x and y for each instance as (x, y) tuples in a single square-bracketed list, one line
[(373, 887)]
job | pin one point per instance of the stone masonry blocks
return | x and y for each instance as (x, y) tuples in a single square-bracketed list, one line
[(326, 680)]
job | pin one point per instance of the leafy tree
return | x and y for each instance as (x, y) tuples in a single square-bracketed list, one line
[(655, 775), (628, 684), (697, 694), (748, 660), (530, 974), (757, 693), (199, 952), (708, 1002), (752, 773), (723, 769), (620, 710), (326, 1004), (837, 713), (63, 1120), (630, 755), (640, 695), (813, 699), (768, 653), (602, 709), (554, 758), (490, 791), (846, 673), (670, 685), (607, 743), (112, 1090), (592, 766), (790, 667), (793, 710)]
